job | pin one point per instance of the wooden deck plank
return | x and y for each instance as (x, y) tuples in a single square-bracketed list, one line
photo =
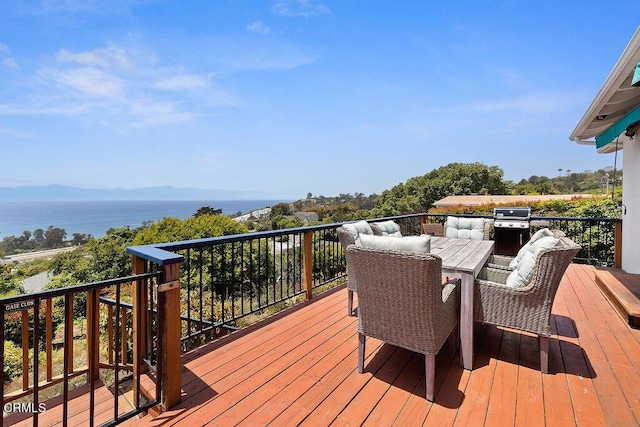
[(229, 377), (284, 398), (363, 404), (502, 405), (77, 408), (623, 291), (478, 390), (327, 411), (593, 381), (398, 394), (584, 399), (595, 338), (529, 397), (295, 366)]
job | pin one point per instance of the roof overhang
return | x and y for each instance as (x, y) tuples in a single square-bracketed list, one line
[(605, 122)]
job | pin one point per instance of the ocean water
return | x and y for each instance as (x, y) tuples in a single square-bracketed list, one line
[(96, 218)]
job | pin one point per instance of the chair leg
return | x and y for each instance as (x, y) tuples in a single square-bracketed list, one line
[(454, 341), (361, 348), (349, 302), (430, 374), (544, 354)]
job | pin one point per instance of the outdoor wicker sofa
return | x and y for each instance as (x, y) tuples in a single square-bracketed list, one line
[(401, 301), (527, 308)]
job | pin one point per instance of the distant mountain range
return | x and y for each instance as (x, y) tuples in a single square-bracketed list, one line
[(66, 193)]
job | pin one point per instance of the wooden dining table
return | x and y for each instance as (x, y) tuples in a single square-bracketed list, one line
[(463, 259)]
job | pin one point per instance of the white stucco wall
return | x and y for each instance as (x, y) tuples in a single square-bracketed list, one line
[(631, 200)]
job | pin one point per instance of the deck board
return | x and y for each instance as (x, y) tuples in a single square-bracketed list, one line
[(300, 368)]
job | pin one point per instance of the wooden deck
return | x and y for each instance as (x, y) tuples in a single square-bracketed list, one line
[(300, 368), (623, 290)]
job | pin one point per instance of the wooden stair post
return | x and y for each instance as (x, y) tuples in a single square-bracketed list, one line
[(169, 362)]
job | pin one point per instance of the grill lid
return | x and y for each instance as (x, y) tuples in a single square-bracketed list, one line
[(512, 214)]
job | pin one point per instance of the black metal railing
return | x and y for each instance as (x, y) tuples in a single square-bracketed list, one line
[(55, 345), (225, 280), (596, 236)]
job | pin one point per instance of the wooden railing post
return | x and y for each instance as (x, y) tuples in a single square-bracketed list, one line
[(617, 245), (93, 334), (307, 262), (140, 325), (169, 324)]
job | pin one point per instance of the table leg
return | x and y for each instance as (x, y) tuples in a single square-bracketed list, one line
[(466, 321)]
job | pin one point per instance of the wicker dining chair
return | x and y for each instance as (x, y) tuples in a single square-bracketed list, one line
[(347, 238), (505, 261), (452, 221), (434, 229), (401, 301), (527, 308)]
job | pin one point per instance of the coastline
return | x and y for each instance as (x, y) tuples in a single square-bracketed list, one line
[(96, 217)]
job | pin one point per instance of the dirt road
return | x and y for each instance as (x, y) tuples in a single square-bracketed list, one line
[(30, 256)]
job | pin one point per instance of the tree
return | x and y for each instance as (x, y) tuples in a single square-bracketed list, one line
[(38, 237), (207, 210), (54, 236), (281, 209), (79, 238), (419, 193)]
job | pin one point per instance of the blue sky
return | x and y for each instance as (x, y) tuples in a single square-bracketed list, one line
[(287, 97)]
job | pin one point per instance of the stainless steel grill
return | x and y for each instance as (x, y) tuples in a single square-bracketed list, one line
[(511, 217), (511, 229)]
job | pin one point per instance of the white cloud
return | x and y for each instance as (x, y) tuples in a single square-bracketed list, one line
[(147, 112), (87, 6), (184, 82), (304, 8), (109, 57), (533, 104), (258, 27), (4, 48), (88, 81), (58, 107), (10, 63), (15, 133), (117, 87)]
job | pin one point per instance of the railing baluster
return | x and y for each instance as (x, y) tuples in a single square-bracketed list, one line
[(67, 364), (200, 305), (232, 281), (189, 297), (25, 349), (49, 343), (36, 359), (118, 356)]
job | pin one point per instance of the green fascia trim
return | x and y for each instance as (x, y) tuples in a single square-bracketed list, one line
[(635, 80), (617, 128)]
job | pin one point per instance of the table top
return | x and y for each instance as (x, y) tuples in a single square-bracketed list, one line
[(462, 255)]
